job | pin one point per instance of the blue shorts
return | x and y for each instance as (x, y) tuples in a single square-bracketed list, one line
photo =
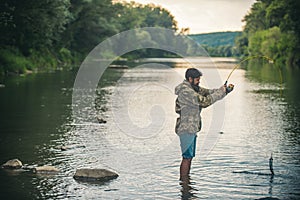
[(188, 144)]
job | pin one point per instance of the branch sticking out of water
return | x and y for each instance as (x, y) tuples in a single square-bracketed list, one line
[(259, 173), (271, 164)]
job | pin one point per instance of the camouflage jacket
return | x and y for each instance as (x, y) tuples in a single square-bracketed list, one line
[(189, 104)]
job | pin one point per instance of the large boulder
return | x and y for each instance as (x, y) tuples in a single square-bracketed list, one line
[(13, 164), (45, 170), (94, 175)]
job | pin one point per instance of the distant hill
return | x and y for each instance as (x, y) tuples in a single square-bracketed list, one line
[(216, 39)]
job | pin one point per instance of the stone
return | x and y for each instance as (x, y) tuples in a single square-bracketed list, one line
[(94, 174), (45, 169), (13, 164), (64, 148), (118, 66), (101, 121)]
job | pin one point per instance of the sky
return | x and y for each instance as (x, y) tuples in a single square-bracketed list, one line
[(205, 16)]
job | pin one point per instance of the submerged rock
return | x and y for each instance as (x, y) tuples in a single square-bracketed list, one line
[(101, 121), (94, 174), (64, 148), (46, 169), (118, 66), (13, 164)]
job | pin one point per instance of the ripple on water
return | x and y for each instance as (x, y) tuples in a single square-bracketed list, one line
[(149, 168)]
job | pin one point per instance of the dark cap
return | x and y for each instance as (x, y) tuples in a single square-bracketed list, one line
[(193, 73)]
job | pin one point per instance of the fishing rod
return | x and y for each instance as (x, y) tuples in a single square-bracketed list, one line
[(248, 58)]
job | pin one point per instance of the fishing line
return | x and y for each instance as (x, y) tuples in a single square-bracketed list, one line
[(229, 75), (271, 61)]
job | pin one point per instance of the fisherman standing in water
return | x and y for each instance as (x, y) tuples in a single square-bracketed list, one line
[(189, 103)]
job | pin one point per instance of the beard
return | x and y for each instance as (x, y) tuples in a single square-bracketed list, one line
[(195, 87)]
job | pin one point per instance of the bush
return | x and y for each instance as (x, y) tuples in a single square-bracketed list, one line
[(65, 56), (11, 60), (43, 60), (275, 44)]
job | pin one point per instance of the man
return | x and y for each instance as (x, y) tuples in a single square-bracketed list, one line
[(189, 103)]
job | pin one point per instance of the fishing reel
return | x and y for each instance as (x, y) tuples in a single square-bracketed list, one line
[(229, 88)]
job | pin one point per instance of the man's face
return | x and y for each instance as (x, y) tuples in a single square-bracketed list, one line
[(194, 81)]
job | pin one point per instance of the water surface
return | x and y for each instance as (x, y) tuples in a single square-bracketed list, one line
[(138, 141)]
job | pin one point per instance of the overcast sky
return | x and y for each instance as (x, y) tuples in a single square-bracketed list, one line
[(204, 16)]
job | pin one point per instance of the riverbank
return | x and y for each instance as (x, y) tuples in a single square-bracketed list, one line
[(200, 62), (13, 62)]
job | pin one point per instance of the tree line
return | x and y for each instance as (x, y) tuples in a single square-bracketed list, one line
[(273, 29), (47, 35), (221, 44)]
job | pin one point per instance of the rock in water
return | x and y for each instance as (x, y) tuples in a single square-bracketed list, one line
[(94, 174), (45, 170), (13, 164), (101, 121), (64, 148)]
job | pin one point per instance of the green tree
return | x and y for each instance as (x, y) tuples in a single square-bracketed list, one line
[(135, 15), (256, 20), (158, 16), (272, 29), (31, 24), (92, 22), (128, 15), (49, 33), (242, 44)]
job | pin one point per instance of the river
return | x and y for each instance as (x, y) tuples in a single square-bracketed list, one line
[(259, 118)]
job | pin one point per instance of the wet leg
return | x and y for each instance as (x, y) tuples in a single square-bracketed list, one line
[(185, 168)]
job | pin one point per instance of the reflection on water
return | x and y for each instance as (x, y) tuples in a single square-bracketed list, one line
[(187, 189), (36, 121)]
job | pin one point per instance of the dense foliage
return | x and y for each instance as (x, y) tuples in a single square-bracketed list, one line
[(273, 29), (46, 35), (217, 38), (219, 43)]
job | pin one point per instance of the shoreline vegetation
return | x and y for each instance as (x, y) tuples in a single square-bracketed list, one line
[(272, 28), (37, 36), (46, 36)]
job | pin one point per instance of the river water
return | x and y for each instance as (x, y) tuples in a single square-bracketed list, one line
[(259, 118)]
